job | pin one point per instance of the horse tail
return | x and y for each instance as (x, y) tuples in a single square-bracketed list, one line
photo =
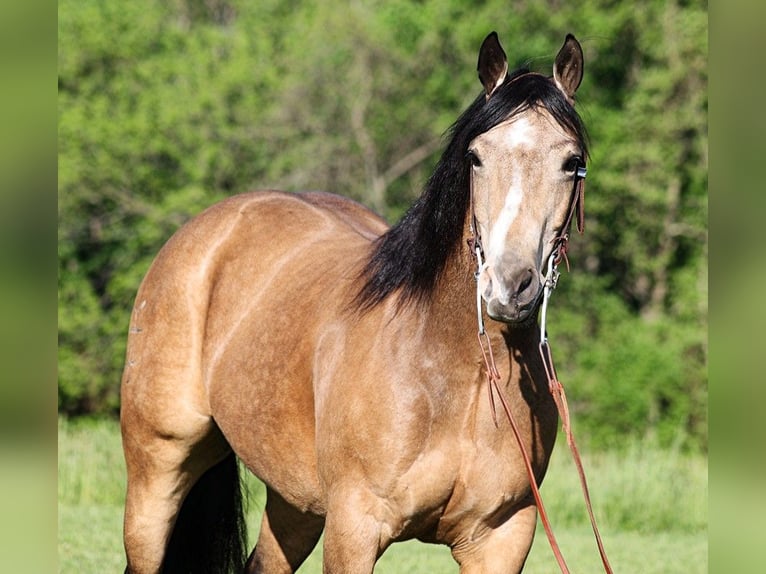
[(210, 534)]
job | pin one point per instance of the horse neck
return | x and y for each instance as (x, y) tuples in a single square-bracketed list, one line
[(453, 299), (452, 305)]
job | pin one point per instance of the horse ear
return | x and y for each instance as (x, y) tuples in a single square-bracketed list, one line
[(568, 68), (492, 65)]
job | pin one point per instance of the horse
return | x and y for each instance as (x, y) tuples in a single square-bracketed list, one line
[(335, 357)]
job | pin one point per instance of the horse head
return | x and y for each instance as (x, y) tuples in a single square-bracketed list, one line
[(524, 173)]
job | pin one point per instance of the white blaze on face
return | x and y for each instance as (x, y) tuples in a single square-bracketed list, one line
[(517, 134), (507, 216)]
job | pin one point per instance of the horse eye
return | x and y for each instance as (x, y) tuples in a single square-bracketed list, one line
[(473, 158), (571, 165)]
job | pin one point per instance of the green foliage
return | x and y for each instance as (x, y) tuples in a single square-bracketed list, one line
[(627, 376), (166, 107)]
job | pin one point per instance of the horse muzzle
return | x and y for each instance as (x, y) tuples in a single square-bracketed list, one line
[(511, 297)]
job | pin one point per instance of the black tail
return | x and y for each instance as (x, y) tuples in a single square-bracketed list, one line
[(210, 536)]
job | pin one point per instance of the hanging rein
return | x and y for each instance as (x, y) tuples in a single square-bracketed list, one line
[(559, 253)]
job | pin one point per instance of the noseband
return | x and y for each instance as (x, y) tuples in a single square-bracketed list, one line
[(558, 253)]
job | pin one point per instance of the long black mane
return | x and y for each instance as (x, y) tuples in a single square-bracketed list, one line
[(411, 256)]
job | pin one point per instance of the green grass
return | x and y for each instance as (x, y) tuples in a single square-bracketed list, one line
[(651, 507)]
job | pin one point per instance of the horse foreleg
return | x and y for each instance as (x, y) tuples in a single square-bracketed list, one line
[(355, 532), (502, 550), (286, 539)]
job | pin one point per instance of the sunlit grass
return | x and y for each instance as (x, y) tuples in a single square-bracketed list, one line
[(651, 506), (639, 488)]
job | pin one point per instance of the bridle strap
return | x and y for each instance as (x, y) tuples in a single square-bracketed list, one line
[(582, 171), (576, 212), (474, 244), (493, 376), (560, 398), (577, 209)]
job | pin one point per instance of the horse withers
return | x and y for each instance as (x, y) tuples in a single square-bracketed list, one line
[(337, 358)]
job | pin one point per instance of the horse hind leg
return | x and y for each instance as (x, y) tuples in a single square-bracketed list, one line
[(286, 539), (174, 485)]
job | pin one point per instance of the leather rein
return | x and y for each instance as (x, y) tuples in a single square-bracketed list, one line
[(559, 253)]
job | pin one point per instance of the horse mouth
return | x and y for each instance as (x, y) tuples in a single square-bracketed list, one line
[(515, 313)]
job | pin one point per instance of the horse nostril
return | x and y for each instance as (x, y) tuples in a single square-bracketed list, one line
[(525, 282)]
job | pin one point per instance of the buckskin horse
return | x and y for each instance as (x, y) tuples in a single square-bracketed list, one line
[(337, 359)]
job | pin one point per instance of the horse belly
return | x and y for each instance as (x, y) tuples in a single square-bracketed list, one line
[(266, 412)]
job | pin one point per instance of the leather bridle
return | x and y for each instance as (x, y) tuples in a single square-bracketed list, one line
[(558, 253)]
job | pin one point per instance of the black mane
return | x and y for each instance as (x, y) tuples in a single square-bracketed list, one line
[(411, 256)]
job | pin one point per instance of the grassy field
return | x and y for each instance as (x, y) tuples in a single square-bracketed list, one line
[(651, 506)]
